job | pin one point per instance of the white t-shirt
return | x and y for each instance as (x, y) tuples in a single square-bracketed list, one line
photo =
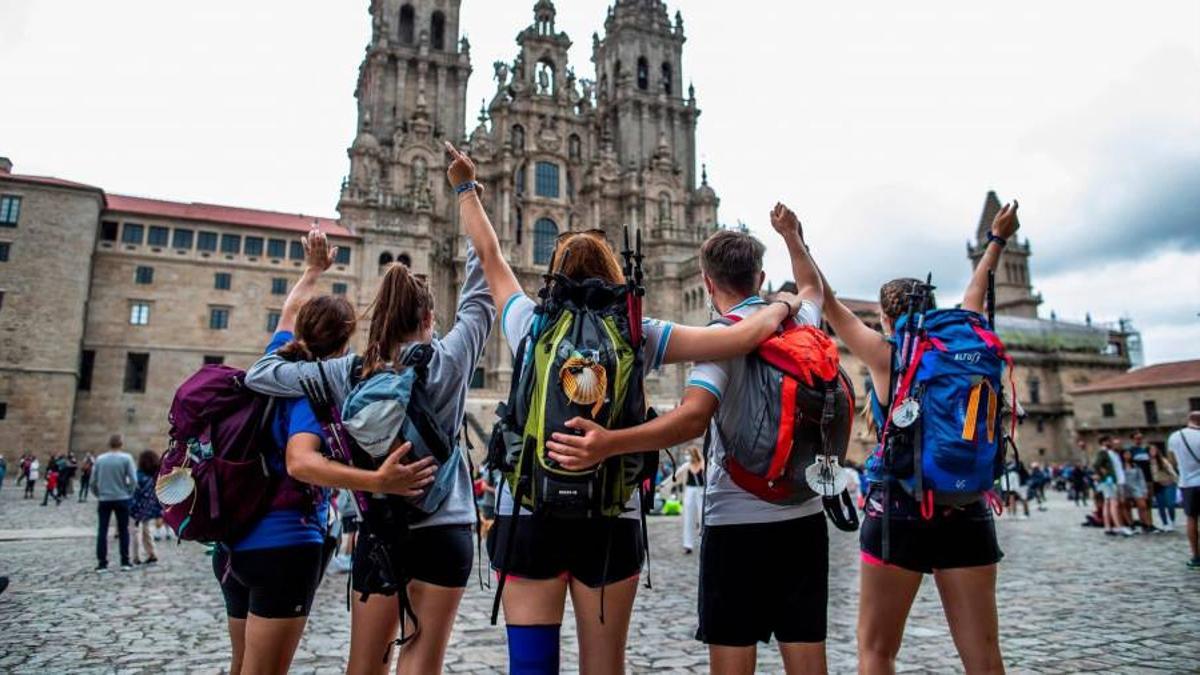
[(517, 318), (1188, 462), (724, 502)]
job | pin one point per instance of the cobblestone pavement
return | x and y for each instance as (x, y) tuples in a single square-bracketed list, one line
[(1071, 600)]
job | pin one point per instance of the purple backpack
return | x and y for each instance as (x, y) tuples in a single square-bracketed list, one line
[(214, 483)]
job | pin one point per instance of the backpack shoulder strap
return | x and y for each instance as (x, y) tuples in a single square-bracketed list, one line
[(1183, 437)]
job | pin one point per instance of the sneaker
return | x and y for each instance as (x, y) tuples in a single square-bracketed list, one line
[(1126, 532), (102, 567), (1110, 533), (1194, 563), (151, 560), (125, 567)]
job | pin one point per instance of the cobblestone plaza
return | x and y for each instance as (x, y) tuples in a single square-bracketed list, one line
[(1070, 600)]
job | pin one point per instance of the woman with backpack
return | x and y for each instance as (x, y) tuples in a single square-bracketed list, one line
[(270, 576), (145, 509), (903, 539), (417, 571), (597, 560)]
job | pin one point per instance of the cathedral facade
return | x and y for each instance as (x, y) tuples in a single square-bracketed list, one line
[(557, 153)]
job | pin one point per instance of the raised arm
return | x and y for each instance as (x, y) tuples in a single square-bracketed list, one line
[(318, 257), (809, 285), (719, 343), (684, 423), (1004, 226), (500, 278), (870, 346)]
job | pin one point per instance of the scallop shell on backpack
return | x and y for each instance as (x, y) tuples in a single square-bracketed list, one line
[(175, 487)]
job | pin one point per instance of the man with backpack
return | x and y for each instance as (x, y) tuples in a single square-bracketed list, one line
[(114, 480), (763, 565), (1184, 444)]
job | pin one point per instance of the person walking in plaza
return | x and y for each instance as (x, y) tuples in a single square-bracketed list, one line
[(958, 543), (1184, 446), (428, 574), (114, 481), (3, 470), (145, 509), (52, 485), (544, 557), (691, 475), (31, 477), (763, 566), (1165, 485), (85, 476)]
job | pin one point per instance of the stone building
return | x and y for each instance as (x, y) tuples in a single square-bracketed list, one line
[(108, 302), (1154, 400)]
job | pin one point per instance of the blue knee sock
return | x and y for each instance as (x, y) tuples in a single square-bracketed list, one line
[(533, 650)]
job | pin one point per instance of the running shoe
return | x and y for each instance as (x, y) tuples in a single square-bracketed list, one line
[(1194, 563)]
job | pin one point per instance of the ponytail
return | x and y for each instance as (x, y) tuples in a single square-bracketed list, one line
[(399, 311)]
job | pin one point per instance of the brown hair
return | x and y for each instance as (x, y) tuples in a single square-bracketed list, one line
[(323, 328), (148, 462), (399, 310), (733, 260), (586, 255), (893, 297)]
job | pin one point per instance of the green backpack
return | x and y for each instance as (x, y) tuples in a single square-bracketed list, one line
[(583, 357)]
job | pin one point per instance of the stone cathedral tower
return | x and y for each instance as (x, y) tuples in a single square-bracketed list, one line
[(557, 153)]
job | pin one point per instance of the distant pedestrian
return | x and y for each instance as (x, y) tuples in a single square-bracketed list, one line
[(1110, 488), (3, 470), (114, 481), (1137, 492), (145, 509), (31, 477), (51, 487), (85, 476), (1184, 446), (1165, 486), (692, 477), (1015, 477)]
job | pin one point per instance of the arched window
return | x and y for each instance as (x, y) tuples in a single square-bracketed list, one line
[(666, 79), (404, 259), (544, 77), (664, 208), (546, 180), (385, 258), (437, 31), (407, 22), (574, 147), (643, 74), (545, 233), (517, 138)]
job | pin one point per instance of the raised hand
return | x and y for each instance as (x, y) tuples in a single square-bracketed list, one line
[(318, 254), (1005, 224), (786, 223), (407, 480), (462, 169)]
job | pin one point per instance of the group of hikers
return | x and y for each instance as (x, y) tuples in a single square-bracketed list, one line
[(576, 445), (57, 475)]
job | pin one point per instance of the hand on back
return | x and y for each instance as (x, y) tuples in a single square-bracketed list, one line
[(1005, 224), (406, 480), (793, 301)]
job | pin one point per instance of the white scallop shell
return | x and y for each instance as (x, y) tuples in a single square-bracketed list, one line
[(587, 385), (175, 487)]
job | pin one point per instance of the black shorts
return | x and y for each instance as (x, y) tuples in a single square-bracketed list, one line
[(546, 548), (273, 583), (764, 579), (441, 555), (962, 536), (349, 524), (1191, 501)]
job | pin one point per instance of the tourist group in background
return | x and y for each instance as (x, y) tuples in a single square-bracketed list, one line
[(370, 473)]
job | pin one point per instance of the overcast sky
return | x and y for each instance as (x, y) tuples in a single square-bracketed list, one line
[(882, 123)]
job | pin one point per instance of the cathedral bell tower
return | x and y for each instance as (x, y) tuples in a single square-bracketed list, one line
[(411, 93), (1014, 290)]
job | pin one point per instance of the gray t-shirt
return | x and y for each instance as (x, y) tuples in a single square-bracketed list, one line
[(454, 359), (114, 477), (516, 321), (724, 502), (1187, 455)]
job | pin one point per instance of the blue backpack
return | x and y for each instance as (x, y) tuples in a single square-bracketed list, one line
[(944, 438)]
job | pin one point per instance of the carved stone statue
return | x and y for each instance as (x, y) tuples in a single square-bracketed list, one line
[(501, 73), (544, 81), (589, 89)]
